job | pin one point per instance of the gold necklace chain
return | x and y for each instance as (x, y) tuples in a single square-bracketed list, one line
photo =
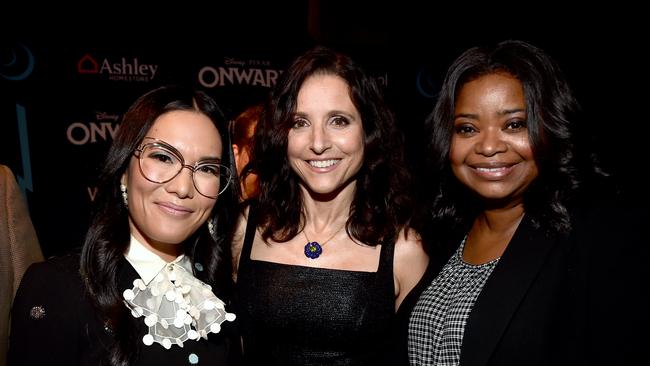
[(304, 232)]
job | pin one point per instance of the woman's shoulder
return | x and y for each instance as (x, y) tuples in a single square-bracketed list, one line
[(410, 260), (56, 275), (612, 229), (55, 267), (408, 242), (609, 212), (47, 312)]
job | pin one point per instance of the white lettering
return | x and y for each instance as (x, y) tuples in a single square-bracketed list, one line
[(112, 129), (233, 61), (223, 75), (272, 77), (210, 77), (89, 133), (78, 126), (92, 193), (259, 78), (382, 80), (103, 116), (243, 75), (126, 67), (128, 71), (153, 69), (212, 73), (105, 66)]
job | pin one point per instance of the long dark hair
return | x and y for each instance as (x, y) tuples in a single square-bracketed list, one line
[(552, 118), (380, 205), (108, 236)]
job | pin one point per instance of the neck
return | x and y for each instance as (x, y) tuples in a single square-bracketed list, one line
[(501, 220), (321, 214), (166, 252)]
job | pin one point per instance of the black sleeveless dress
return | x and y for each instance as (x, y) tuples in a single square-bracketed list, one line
[(296, 315)]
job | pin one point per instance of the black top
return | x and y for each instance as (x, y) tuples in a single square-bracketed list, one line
[(296, 315), (54, 323)]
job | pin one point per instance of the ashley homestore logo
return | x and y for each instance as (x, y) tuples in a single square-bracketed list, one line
[(122, 69)]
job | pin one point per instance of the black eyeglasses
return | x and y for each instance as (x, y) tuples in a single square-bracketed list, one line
[(160, 162)]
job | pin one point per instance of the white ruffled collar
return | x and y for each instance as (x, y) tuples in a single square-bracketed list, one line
[(148, 263), (175, 305)]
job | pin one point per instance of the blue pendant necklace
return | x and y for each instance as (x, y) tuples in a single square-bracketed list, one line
[(314, 249)]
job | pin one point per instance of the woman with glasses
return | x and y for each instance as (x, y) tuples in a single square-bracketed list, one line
[(153, 281)]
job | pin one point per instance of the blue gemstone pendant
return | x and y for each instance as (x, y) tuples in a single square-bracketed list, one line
[(313, 250)]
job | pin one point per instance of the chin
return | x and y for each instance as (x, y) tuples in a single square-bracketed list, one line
[(173, 238)]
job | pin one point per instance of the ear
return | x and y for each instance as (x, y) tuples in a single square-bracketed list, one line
[(235, 151), (124, 178)]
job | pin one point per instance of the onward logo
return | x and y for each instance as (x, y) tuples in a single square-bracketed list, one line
[(239, 72), (104, 127), (122, 70)]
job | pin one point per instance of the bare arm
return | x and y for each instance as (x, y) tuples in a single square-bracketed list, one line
[(410, 263)]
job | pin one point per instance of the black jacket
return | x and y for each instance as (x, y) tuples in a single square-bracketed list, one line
[(54, 323), (578, 299)]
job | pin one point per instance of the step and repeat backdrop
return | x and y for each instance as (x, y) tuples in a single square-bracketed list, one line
[(63, 103), (62, 98)]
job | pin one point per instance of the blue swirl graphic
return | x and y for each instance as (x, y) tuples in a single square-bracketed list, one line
[(26, 182), (19, 64), (425, 84)]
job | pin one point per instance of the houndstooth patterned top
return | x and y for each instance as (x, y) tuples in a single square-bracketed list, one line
[(438, 319)]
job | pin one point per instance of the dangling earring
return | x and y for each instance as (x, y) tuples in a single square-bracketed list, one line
[(125, 196), (211, 227)]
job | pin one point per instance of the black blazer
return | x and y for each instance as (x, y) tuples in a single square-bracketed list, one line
[(54, 323), (580, 299)]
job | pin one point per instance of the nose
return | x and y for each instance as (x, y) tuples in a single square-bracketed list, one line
[(320, 141), (490, 142), (182, 185)]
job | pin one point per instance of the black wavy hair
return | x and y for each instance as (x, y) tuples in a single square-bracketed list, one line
[(381, 205), (552, 119), (108, 235)]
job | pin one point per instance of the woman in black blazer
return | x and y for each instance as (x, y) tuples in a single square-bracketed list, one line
[(525, 270), (153, 281)]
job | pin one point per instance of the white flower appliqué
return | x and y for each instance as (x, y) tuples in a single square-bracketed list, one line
[(176, 307)]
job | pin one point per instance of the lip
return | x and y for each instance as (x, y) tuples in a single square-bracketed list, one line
[(492, 170), (174, 209), (326, 164)]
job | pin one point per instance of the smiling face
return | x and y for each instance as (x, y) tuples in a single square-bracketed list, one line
[(163, 215), (326, 143), (490, 149)]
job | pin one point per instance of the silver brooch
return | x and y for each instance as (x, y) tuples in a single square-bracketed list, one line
[(37, 312)]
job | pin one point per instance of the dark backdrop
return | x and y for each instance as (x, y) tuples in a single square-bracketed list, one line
[(67, 80)]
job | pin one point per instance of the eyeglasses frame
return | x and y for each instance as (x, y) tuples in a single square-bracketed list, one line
[(138, 154)]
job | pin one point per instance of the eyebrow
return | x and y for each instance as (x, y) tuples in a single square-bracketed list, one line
[(329, 114), (504, 112), (511, 111), (202, 159)]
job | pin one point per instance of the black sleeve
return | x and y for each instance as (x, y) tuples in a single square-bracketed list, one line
[(44, 317), (615, 246)]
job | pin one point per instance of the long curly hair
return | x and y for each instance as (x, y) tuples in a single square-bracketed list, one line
[(552, 119), (381, 205), (108, 235)]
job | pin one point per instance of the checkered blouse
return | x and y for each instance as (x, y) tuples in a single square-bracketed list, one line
[(438, 319)]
